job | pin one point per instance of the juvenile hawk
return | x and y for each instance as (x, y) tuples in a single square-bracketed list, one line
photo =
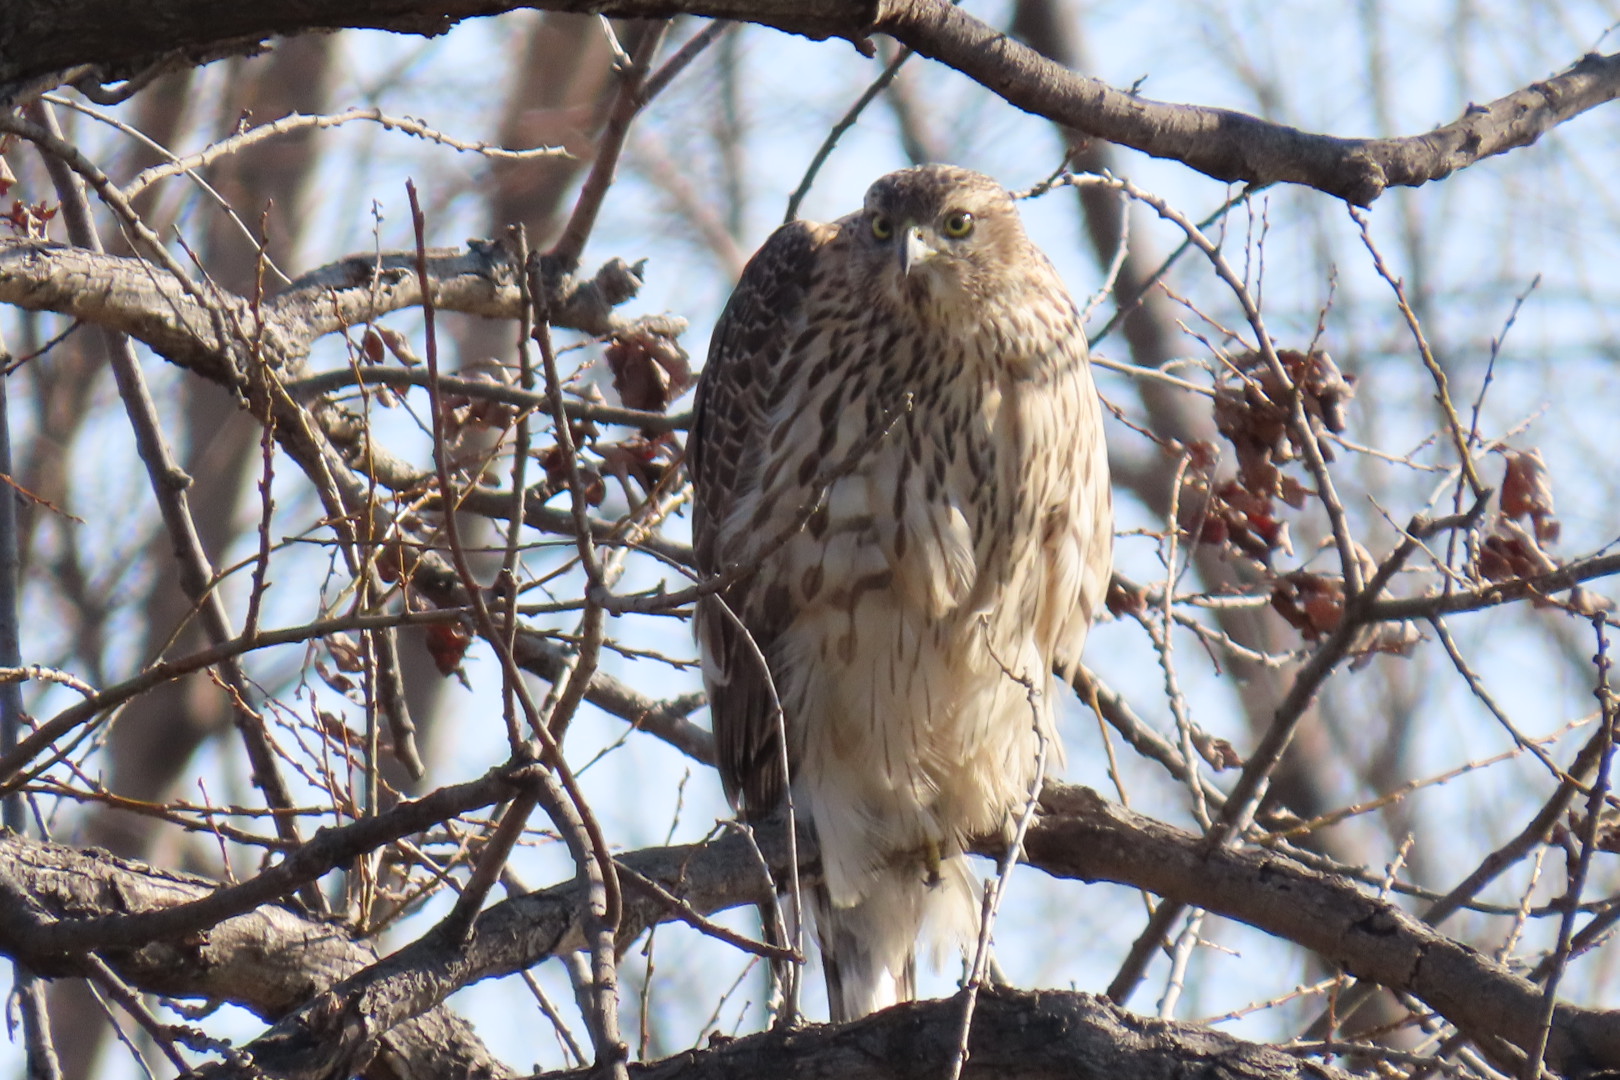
[(897, 429)]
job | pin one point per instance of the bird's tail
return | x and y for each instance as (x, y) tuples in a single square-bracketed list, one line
[(869, 948)]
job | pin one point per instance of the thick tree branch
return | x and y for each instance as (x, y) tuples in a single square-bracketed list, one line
[(269, 960), (100, 40), (1079, 835), (1234, 146), (311, 861), (1016, 1035), (109, 40), (132, 296), (1082, 836)]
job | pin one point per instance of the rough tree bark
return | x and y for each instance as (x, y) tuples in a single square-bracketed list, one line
[(337, 1005), (90, 42)]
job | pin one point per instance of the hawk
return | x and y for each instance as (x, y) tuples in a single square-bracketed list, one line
[(897, 452)]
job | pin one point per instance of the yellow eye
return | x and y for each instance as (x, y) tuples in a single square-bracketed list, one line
[(882, 227), (958, 224)]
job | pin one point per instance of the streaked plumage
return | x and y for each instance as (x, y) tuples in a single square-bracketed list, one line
[(918, 368)]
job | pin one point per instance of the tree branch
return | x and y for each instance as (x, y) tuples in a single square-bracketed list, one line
[(131, 296), (101, 40), (1016, 1035), (269, 960), (1079, 835)]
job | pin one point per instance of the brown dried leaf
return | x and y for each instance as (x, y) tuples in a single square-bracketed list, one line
[(345, 652), (1512, 551), (1324, 611), (1313, 604), (447, 643), (1125, 599), (1293, 492), (29, 220), (1220, 754), (335, 679), (1232, 515), (398, 344), (1202, 455), (650, 370), (371, 346), (1584, 601), (1253, 416), (1526, 492), (1326, 389), (1607, 836), (333, 727)]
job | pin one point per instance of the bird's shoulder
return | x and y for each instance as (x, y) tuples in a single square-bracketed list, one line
[(770, 294), (748, 345)]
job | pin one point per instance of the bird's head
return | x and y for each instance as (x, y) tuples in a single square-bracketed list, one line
[(939, 233)]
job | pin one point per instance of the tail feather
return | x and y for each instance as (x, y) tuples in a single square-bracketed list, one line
[(869, 948)]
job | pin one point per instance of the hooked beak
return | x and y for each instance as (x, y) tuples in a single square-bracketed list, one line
[(914, 249)]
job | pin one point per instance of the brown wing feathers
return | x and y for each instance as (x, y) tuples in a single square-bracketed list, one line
[(729, 427)]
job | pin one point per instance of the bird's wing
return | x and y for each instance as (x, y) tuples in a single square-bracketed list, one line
[(730, 425), (1078, 537)]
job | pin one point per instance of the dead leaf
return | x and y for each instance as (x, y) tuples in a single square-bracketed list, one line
[(447, 643), (1526, 493), (650, 370)]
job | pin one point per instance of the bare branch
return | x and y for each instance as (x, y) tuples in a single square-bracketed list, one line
[(1079, 835), (114, 39)]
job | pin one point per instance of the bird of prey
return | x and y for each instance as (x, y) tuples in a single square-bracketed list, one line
[(897, 454)]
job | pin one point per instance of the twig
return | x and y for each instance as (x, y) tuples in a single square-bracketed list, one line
[(1163, 646), (1267, 754), (632, 95), (1113, 708), (1136, 371), (846, 122), (996, 887), (1596, 804), (295, 122), (1180, 956), (1496, 351), (168, 483), (127, 999), (564, 804), (1299, 420), (778, 722), (683, 57), (1110, 277), (59, 152), (1442, 394), (1489, 869), (260, 371), (483, 390), (1477, 688), (570, 1045), (691, 917), (42, 1062), (98, 702), (584, 661), (486, 872)]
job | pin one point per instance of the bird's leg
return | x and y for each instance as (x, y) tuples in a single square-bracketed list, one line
[(931, 860)]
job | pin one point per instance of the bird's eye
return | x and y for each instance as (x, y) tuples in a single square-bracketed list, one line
[(958, 224), (882, 227)]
